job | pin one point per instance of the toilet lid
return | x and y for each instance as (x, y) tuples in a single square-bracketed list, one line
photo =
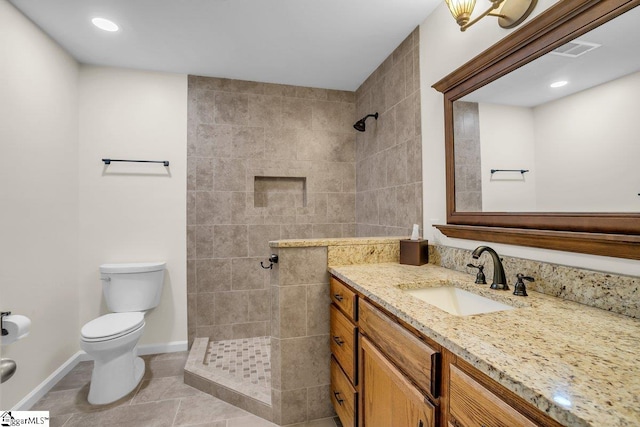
[(112, 325)]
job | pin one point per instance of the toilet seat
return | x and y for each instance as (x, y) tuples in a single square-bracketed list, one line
[(111, 326)]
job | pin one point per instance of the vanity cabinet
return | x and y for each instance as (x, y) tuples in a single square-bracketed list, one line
[(381, 374), (384, 373)]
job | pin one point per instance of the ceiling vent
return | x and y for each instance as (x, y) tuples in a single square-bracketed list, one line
[(575, 48)]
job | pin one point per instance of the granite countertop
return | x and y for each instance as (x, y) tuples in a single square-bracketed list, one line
[(338, 241), (579, 364)]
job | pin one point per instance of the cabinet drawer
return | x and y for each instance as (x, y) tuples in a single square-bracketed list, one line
[(472, 405), (344, 298), (414, 357), (343, 396), (388, 398), (343, 342)]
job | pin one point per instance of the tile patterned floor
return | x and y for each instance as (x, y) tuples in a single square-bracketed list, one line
[(245, 359), (201, 363), (160, 400)]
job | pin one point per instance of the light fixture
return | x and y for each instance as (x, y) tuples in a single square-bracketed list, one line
[(512, 13), (559, 83), (105, 24)]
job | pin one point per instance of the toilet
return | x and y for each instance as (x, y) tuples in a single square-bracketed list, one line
[(110, 340)]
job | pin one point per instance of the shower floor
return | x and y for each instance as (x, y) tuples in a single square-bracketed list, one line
[(242, 365)]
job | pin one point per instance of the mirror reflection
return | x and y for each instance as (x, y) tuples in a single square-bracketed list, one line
[(559, 134)]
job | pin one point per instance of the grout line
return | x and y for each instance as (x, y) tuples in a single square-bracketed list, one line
[(66, 422), (138, 387), (176, 414)]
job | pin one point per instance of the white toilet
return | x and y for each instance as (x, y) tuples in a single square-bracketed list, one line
[(129, 290)]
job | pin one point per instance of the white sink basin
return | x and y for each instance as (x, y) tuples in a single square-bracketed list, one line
[(457, 301)]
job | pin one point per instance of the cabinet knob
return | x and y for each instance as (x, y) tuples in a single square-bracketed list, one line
[(338, 341), (420, 424), (338, 297), (337, 396)]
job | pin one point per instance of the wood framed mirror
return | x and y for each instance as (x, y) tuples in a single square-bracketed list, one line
[(614, 233)]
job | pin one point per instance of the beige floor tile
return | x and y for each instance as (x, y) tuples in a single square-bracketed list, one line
[(212, 424), (325, 422), (162, 399), (74, 402), (77, 378), (164, 388), (164, 365), (200, 410), (58, 421), (153, 414), (250, 421)]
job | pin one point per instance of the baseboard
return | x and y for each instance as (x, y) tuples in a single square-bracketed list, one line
[(169, 347), (37, 393)]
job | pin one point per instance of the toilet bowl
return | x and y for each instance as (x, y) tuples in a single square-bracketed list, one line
[(110, 340)]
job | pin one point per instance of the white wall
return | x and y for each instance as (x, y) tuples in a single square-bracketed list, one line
[(63, 213), (133, 212), (443, 48), (507, 141), (587, 149), (39, 196)]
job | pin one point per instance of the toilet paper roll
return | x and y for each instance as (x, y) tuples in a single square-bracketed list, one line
[(17, 327)]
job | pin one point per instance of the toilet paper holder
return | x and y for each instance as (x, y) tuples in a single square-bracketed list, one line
[(4, 331)]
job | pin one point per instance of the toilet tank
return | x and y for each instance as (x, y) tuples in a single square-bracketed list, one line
[(132, 286)]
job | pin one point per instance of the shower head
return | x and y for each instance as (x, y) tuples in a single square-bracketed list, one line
[(360, 126)]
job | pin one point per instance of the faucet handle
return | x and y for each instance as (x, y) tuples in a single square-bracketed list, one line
[(480, 277), (520, 289)]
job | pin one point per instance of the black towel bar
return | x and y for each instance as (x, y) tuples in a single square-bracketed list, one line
[(509, 170), (108, 161)]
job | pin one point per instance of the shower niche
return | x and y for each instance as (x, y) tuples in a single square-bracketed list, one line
[(280, 195)]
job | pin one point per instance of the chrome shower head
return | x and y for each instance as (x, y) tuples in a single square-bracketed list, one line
[(360, 125)]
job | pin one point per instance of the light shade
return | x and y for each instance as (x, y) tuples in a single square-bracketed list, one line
[(461, 10)]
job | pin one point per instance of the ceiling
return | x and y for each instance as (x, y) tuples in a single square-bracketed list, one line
[(333, 44), (528, 86)]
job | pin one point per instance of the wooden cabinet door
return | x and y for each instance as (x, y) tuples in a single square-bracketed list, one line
[(472, 405), (388, 397)]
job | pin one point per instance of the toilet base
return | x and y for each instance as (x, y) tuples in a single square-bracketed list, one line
[(113, 381)]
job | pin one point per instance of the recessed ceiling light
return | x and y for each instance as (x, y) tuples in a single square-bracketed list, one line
[(105, 24), (559, 83)]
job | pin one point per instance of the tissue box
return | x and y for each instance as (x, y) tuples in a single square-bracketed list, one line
[(414, 252)]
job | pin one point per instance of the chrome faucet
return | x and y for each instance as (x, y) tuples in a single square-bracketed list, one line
[(499, 279)]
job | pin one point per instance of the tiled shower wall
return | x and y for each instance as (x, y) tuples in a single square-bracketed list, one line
[(466, 131), (389, 152), (265, 162)]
